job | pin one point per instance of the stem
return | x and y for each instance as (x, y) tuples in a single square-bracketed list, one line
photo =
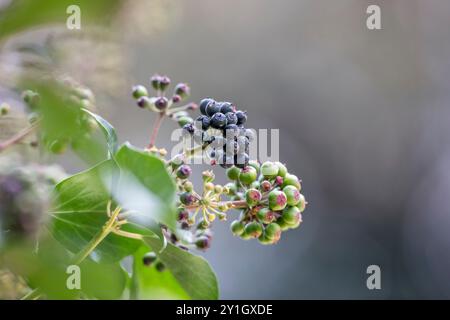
[(238, 204), (18, 137), (156, 127)]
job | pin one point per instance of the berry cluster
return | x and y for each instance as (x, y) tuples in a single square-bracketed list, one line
[(221, 126), (273, 199)]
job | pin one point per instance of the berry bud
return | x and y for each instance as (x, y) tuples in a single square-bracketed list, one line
[(273, 231), (277, 200), (149, 258), (269, 169), (218, 120), (176, 98), (187, 198), (282, 170), (241, 116), (143, 102), (266, 185), (279, 180), (291, 215), (4, 109), (208, 176), (237, 227), (155, 80), (184, 171), (209, 186), (203, 243), (182, 89), (188, 186), (161, 103), (233, 173), (248, 175), (218, 189), (301, 205), (204, 103), (265, 215), (184, 121), (291, 180), (139, 91), (252, 197), (33, 117), (164, 82), (292, 195), (253, 229)]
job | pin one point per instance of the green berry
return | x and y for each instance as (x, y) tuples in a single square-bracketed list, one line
[(263, 239), (253, 229), (182, 121), (297, 224), (245, 236), (160, 267), (282, 223), (232, 189), (139, 91), (265, 215), (291, 180), (254, 185), (58, 147), (301, 205), (248, 175), (237, 227), (277, 200), (291, 215), (233, 173), (149, 258), (4, 109), (292, 194), (252, 197), (254, 164), (269, 169), (188, 186), (273, 231), (282, 170)]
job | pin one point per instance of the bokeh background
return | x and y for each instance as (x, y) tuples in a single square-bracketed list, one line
[(364, 120)]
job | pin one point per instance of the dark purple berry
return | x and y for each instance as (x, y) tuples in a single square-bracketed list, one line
[(184, 171), (161, 103), (143, 102), (226, 107), (212, 108), (231, 117), (164, 82), (204, 103), (182, 89), (203, 122), (241, 117), (189, 128), (218, 120)]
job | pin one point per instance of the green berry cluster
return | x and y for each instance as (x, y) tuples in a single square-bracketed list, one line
[(273, 200)]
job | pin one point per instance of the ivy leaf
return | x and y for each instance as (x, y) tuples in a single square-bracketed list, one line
[(80, 213), (193, 273), (145, 187), (148, 283), (108, 130)]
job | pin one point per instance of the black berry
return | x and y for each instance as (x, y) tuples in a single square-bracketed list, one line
[(218, 120)]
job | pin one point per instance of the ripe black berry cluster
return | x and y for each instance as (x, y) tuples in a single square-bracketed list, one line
[(221, 127), (273, 200)]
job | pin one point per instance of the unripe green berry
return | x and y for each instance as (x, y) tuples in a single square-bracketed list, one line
[(297, 224), (277, 200), (139, 91), (252, 197), (282, 223), (182, 121), (291, 180), (263, 239), (237, 227), (273, 231), (269, 169), (246, 236), (231, 188), (4, 109), (188, 186), (218, 189), (233, 173), (255, 164), (265, 215), (253, 229), (301, 205), (248, 175), (292, 194), (149, 258), (254, 185), (282, 170), (291, 215)]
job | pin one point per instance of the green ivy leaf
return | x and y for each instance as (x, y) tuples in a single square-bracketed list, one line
[(80, 213), (148, 283), (193, 273), (108, 130), (145, 187)]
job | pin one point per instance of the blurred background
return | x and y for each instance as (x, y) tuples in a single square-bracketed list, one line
[(363, 117)]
